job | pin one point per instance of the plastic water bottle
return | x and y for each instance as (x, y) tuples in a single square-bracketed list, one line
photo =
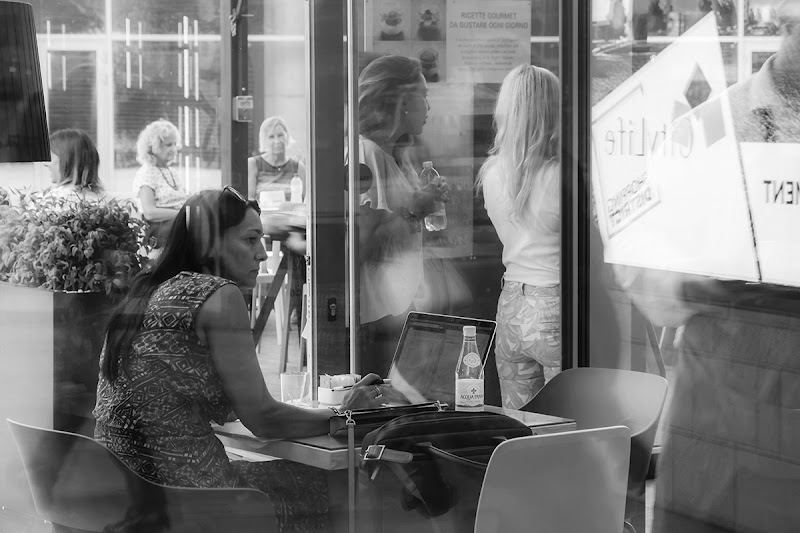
[(437, 220), (296, 190), (469, 374)]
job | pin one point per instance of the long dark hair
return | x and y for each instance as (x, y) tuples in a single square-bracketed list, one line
[(194, 245), (78, 159)]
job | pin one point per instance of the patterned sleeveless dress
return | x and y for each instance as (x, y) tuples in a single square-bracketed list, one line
[(156, 417)]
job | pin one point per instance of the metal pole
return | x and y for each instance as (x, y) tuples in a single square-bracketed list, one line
[(353, 186)]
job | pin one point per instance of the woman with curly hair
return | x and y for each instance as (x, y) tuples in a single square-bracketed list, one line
[(156, 183)]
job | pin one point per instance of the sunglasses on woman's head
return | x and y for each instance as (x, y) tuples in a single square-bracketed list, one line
[(233, 193), (236, 194)]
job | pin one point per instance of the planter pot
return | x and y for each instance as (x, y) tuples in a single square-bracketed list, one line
[(50, 345)]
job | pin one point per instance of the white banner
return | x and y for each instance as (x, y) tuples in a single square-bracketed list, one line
[(666, 173)]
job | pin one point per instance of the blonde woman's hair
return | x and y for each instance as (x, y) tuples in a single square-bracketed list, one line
[(267, 127), (152, 136), (527, 134)]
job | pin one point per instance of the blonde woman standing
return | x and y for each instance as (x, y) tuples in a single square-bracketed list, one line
[(520, 182)]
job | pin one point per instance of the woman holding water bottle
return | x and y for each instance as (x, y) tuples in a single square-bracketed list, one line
[(520, 182), (393, 109)]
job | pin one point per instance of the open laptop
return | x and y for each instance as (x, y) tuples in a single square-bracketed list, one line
[(424, 363)]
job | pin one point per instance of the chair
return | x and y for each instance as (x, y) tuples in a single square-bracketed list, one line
[(600, 397), (81, 487), (572, 481)]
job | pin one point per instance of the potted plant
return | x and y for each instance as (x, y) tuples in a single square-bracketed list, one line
[(64, 261)]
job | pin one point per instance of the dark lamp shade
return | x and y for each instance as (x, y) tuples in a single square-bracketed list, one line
[(23, 122)]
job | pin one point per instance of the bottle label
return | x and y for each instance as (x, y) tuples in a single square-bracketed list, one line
[(469, 393), (472, 360)]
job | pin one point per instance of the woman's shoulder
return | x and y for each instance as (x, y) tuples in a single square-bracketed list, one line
[(195, 284), (146, 175)]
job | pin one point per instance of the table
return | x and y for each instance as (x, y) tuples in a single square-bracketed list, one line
[(329, 453)]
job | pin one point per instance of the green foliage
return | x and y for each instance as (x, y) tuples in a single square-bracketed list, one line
[(69, 243)]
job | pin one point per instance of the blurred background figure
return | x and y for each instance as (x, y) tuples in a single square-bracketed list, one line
[(520, 182), (393, 108), (74, 163), (273, 169), (156, 184)]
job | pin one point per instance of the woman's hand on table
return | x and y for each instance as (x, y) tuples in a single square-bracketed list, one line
[(366, 393)]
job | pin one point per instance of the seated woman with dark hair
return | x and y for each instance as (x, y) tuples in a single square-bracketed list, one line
[(179, 355), (74, 163)]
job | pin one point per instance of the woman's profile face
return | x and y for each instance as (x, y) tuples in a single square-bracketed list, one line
[(415, 108), (276, 140), (242, 251), (166, 150)]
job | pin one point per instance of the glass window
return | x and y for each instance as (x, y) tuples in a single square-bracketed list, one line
[(692, 130), (76, 17), (175, 18)]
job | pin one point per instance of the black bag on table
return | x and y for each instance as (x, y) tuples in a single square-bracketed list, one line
[(437, 459)]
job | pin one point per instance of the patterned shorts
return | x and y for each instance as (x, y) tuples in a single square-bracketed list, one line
[(528, 342)]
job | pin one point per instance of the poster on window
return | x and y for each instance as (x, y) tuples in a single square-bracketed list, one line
[(666, 174), (772, 173), (411, 28), (487, 39)]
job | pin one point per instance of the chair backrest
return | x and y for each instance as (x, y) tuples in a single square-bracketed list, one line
[(601, 397), (78, 484), (572, 481)]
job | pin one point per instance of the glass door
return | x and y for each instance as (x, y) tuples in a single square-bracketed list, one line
[(424, 79)]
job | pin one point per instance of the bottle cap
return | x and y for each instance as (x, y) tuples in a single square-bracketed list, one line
[(427, 164), (469, 331)]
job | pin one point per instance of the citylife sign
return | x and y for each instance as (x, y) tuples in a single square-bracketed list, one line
[(666, 173)]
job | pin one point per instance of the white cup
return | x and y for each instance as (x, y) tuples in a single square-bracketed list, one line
[(296, 388)]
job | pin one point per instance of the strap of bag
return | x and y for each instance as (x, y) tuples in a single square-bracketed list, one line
[(351, 472)]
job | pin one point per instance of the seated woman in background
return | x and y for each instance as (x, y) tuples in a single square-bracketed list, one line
[(179, 355), (520, 182), (156, 183), (73, 165), (273, 169)]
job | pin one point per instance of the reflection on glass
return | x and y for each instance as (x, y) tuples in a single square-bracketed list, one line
[(694, 183), (179, 83), (71, 78), (156, 17), (78, 16)]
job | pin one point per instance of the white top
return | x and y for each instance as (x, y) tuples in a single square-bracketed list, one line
[(165, 183), (531, 248), (69, 191), (389, 286)]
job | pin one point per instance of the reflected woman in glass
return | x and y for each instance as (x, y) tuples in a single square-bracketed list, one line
[(273, 169), (74, 163), (520, 182), (157, 184), (393, 108), (179, 355)]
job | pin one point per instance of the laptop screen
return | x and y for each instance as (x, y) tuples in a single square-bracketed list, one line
[(424, 363)]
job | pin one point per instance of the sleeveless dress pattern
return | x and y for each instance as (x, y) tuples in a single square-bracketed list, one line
[(156, 416)]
